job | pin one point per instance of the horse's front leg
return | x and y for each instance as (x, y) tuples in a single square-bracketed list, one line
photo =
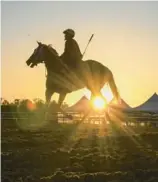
[(60, 101), (48, 95)]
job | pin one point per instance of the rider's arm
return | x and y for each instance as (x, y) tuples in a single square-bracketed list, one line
[(76, 49), (66, 50), (72, 50)]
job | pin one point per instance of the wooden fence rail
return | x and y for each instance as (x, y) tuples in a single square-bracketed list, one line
[(131, 120)]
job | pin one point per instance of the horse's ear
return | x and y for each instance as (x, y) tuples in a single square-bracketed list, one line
[(39, 43), (49, 45)]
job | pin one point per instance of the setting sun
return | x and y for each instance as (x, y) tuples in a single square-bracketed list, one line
[(98, 103)]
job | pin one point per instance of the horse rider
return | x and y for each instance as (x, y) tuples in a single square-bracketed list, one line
[(72, 55)]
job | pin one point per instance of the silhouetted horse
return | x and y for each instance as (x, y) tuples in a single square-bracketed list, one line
[(60, 79)]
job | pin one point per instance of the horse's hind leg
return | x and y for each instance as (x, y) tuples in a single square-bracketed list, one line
[(113, 87)]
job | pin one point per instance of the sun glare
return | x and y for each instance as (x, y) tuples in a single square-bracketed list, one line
[(105, 91), (98, 103)]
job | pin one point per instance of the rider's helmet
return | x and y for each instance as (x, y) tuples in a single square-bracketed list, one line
[(69, 32)]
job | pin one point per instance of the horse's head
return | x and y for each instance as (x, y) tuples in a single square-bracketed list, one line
[(36, 56), (41, 54)]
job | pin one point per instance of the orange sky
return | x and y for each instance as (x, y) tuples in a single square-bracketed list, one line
[(125, 40)]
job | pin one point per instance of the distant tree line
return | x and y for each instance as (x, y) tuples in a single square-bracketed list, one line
[(26, 105)]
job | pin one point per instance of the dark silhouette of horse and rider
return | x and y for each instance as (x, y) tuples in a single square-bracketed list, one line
[(68, 72)]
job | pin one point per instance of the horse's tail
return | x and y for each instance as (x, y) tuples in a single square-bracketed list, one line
[(113, 86)]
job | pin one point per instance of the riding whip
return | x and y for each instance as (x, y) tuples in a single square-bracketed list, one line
[(88, 44)]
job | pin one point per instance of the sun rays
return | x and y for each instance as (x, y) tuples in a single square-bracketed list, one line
[(92, 76), (98, 102)]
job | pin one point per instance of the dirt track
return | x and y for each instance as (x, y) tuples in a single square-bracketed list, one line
[(82, 150)]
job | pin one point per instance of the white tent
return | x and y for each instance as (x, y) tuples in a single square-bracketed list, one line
[(84, 104), (81, 106), (122, 105), (150, 105)]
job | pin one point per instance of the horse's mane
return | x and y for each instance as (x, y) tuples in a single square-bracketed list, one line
[(52, 50), (58, 64)]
